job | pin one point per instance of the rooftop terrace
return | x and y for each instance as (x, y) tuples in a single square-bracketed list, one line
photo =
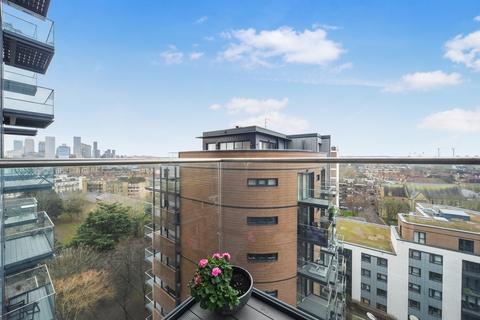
[(366, 234), (471, 226)]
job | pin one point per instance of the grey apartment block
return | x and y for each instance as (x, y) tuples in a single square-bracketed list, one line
[(374, 281), (470, 290), (425, 301)]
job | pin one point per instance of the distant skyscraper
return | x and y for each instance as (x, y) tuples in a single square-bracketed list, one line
[(50, 147), (17, 145), (77, 147), (96, 152), (86, 150), (29, 147), (63, 151), (41, 148)]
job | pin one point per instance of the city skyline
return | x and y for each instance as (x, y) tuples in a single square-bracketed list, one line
[(400, 78)]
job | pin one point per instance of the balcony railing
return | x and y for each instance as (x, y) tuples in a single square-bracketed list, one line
[(211, 216), (19, 211), (27, 244), (29, 27), (29, 295), (27, 179), (41, 101)]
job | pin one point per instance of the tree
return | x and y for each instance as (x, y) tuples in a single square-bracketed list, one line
[(392, 207), (74, 260), (81, 292), (50, 202), (104, 227), (75, 204)]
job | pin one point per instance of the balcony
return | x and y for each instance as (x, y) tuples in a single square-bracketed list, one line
[(28, 244), (36, 7), (313, 234), (19, 211), (318, 198), (29, 295), (28, 43), (27, 179), (324, 272), (28, 110)]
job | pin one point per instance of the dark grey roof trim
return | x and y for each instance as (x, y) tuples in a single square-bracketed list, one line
[(242, 130)]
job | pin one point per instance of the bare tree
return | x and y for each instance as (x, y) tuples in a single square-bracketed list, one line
[(80, 293)]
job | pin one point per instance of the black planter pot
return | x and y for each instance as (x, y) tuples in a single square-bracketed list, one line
[(243, 298)]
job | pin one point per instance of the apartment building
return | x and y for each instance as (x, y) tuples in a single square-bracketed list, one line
[(26, 290), (427, 267), (276, 219)]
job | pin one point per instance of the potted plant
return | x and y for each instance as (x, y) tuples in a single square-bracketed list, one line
[(218, 286)]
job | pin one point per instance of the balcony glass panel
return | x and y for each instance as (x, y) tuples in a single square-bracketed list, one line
[(27, 26), (42, 101), (30, 295), (29, 243)]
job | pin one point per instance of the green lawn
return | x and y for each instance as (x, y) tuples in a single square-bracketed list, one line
[(64, 231), (366, 234), (456, 224)]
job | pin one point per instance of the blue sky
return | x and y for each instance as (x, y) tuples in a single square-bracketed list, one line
[(381, 77)]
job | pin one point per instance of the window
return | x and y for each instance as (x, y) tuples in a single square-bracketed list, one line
[(435, 258), (211, 146), (435, 276), (414, 287), (382, 307), (365, 287), (366, 301), (465, 245), (435, 294), (414, 304), (273, 293), (253, 221), (382, 277), (419, 237), (366, 258), (242, 145), (415, 271), (471, 266), (435, 312), (415, 254), (366, 273), (227, 145), (263, 182), (262, 257), (382, 262), (265, 145), (381, 292)]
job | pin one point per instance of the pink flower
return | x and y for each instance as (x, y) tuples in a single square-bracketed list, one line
[(203, 263), (226, 255), (216, 271), (198, 279), (217, 256)]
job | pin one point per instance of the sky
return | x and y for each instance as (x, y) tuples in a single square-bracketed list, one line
[(381, 77)]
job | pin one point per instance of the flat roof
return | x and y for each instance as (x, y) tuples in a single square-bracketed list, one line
[(242, 130), (375, 236), (460, 225)]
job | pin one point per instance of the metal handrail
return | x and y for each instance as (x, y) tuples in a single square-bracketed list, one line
[(7, 163)]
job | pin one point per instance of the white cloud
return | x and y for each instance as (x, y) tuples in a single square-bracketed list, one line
[(196, 55), (477, 18), (424, 81), (454, 120), (342, 67), (201, 20), (249, 112), (254, 106), (276, 121), (285, 44), (172, 55), (215, 106), (209, 38), (465, 50), (325, 26)]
